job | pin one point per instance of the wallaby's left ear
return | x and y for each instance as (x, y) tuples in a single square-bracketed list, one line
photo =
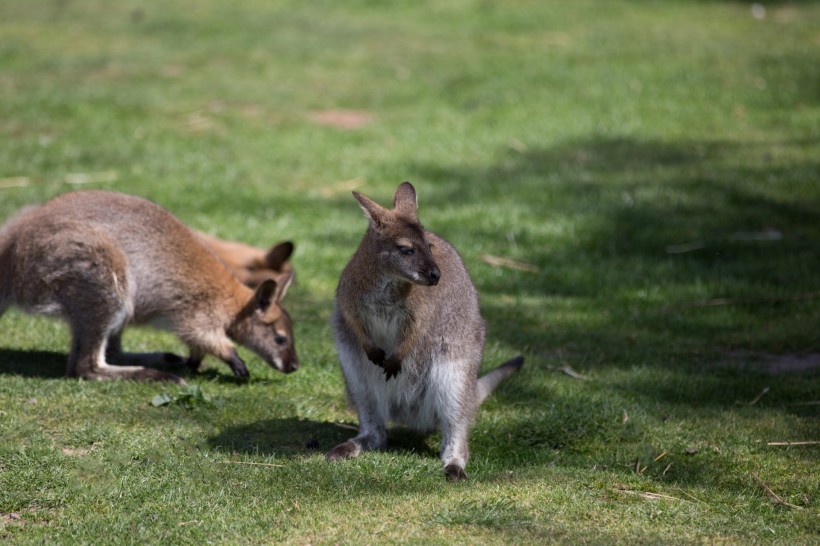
[(376, 213), (265, 294), (278, 255), (405, 201)]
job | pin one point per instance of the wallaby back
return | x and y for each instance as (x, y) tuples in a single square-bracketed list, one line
[(406, 307), (103, 259)]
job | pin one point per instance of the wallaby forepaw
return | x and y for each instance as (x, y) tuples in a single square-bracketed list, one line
[(454, 473), (237, 365), (376, 356), (345, 450), (392, 367)]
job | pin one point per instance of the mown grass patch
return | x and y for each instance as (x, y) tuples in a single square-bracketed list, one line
[(653, 165)]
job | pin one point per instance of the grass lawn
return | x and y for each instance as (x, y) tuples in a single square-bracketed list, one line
[(655, 166)]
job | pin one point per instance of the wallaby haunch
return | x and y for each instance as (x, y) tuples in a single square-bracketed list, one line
[(249, 264), (406, 309), (102, 260)]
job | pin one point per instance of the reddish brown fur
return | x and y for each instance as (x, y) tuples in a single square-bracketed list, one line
[(101, 260), (251, 265)]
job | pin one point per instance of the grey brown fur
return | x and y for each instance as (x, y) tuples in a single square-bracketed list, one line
[(102, 260), (409, 335)]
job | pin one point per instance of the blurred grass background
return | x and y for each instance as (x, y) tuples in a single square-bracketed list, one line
[(655, 163)]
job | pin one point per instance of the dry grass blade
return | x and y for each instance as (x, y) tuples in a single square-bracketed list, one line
[(253, 463), (719, 302), (754, 400), (661, 456), (346, 426), (648, 495), (798, 443), (570, 371), (772, 495), (499, 261), (89, 178), (14, 182)]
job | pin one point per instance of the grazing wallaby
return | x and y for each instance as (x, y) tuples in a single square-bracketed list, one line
[(102, 260), (406, 309), (251, 265)]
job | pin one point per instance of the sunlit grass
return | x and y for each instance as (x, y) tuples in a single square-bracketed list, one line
[(654, 165)]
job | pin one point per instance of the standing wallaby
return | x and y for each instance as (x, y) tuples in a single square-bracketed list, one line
[(249, 264), (102, 260), (406, 309)]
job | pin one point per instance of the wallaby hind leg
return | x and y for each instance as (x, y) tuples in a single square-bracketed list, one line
[(93, 304), (372, 422), (455, 428), (372, 436), (454, 449), (87, 360)]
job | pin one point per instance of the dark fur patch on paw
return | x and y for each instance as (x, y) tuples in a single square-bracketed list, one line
[(376, 356), (345, 450), (454, 473), (392, 367)]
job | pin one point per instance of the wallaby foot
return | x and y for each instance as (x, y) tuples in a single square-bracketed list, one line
[(454, 473), (237, 365), (135, 373), (371, 437), (88, 361), (345, 450)]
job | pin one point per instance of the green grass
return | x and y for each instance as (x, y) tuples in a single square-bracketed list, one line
[(636, 153)]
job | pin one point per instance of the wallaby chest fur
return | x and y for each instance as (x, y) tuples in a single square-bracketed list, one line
[(409, 334), (102, 260)]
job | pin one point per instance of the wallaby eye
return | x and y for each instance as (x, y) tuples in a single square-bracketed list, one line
[(406, 250), (280, 339)]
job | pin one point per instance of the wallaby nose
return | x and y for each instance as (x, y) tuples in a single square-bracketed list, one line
[(291, 366), (435, 275)]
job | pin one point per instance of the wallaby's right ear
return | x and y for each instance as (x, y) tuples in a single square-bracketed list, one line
[(265, 294), (405, 201), (278, 255), (375, 212)]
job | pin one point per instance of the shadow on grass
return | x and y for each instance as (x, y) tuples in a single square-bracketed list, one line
[(45, 364), (292, 437), (52, 364), (628, 233)]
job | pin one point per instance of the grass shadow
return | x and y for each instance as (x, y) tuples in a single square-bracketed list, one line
[(628, 231), (42, 364), (292, 437)]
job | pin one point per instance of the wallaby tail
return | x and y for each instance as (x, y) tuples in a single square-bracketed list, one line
[(488, 382)]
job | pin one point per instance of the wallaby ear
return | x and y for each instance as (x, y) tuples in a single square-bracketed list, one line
[(405, 201), (283, 282), (375, 212), (278, 255), (265, 294)]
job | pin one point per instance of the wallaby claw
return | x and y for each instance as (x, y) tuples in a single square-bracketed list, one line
[(392, 367)]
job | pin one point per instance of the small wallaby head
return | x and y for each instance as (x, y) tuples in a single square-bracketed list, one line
[(264, 326), (397, 240)]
